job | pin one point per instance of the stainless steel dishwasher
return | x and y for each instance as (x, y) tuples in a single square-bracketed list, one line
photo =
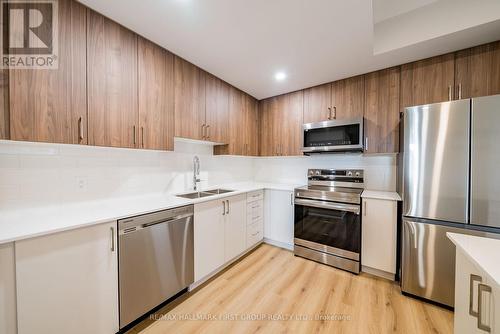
[(156, 260)]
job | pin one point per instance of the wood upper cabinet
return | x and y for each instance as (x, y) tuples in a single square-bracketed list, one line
[(381, 118), (243, 131), (50, 105), (348, 98), (189, 100), (428, 81), (156, 96), (217, 110), (112, 83), (4, 105), (289, 123), (281, 119), (477, 71), (269, 131), (318, 103)]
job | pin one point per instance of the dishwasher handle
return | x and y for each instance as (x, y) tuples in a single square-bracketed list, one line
[(137, 223), (169, 220)]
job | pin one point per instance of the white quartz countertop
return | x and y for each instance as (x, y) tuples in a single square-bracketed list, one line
[(387, 195), (32, 222), (483, 252)]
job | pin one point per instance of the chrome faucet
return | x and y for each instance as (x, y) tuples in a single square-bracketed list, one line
[(196, 172)]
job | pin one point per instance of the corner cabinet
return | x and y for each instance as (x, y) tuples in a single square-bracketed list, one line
[(471, 286), (379, 222), (68, 282)]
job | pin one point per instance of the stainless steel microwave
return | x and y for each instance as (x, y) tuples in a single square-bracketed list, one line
[(333, 136)]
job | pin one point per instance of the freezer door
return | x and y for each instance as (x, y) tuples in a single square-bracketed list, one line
[(428, 260), (485, 159), (436, 161)]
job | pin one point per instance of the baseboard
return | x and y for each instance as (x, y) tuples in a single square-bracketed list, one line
[(279, 244), (378, 272)]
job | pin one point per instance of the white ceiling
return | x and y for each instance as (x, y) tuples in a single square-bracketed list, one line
[(245, 42)]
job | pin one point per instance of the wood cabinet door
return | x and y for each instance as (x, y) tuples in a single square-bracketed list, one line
[(318, 103), (428, 81), (65, 279), (269, 131), (112, 83), (51, 105), (289, 123), (4, 105), (477, 71), (189, 100), (156, 96), (217, 110), (251, 126), (348, 98), (382, 111)]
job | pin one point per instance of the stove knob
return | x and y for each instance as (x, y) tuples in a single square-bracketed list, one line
[(318, 172), (357, 173), (349, 173), (311, 172)]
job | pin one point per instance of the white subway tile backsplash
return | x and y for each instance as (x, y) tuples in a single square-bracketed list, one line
[(36, 174)]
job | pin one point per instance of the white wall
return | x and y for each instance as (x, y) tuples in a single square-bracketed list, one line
[(380, 170), (38, 174)]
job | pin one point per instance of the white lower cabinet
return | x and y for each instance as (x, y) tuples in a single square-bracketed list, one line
[(219, 233), (471, 286), (278, 213), (8, 322), (379, 235), (235, 227), (208, 237), (68, 282)]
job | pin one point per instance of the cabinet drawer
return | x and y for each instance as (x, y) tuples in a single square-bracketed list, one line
[(255, 196), (255, 233), (255, 210)]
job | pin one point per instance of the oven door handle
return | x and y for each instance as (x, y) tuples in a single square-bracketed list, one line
[(328, 205)]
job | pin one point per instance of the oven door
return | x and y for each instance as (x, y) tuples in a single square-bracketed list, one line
[(329, 227)]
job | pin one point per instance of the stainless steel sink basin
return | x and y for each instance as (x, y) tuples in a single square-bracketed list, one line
[(206, 193), (198, 194), (218, 191)]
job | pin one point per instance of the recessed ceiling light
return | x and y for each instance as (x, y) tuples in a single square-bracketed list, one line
[(280, 76)]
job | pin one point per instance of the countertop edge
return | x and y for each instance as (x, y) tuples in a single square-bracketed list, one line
[(58, 228), (384, 195), (455, 238)]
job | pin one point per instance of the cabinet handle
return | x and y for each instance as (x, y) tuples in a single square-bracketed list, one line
[(135, 141), (254, 234), (329, 112), (227, 207), (203, 131), (291, 199), (334, 112), (482, 288), (460, 91), (473, 278), (223, 208), (364, 208), (208, 131), (366, 144), (142, 136), (449, 93), (80, 128), (112, 239)]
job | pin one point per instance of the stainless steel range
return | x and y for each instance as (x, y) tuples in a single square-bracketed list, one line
[(327, 226)]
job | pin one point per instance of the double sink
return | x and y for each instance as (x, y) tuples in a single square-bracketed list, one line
[(205, 193)]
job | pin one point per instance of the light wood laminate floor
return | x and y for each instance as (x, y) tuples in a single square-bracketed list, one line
[(271, 291)]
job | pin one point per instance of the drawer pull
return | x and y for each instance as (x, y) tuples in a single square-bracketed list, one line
[(256, 233), (482, 288), (473, 278)]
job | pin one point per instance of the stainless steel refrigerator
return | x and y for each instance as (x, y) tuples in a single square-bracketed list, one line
[(451, 183)]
